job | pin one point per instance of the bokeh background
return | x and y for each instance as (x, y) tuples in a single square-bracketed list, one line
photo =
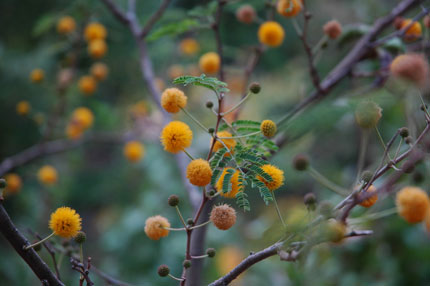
[(114, 196)]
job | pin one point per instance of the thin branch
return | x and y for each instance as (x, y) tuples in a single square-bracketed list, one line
[(116, 12), (18, 241), (154, 18)]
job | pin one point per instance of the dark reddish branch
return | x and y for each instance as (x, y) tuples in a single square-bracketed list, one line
[(18, 241), (360, 50)]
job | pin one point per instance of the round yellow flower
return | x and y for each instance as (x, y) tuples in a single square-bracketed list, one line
[(276, 174), (47, 175), (289, 8), (83, 117), (210, 63), (134, 151), (223, 216), (271, 34), (95, 31), (87, 85), (268, 128), (411, 67), (414, 32), (176, 136), (23, 107), (189, 46), (154, 227), (65, 222), (412, 204), (14, 183), (367, 203), (37, 75), (173, 100), (97, 48), (66, 25), (99, 71), (234, 184), (74, 131), (230, 143), (199, 172)]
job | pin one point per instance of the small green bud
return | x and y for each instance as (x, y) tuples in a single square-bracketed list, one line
[(310, 199), (211, 130), (404, 132), (424, 107), (190, 221), (209, 104), (368, 114), (409, 140), (173, 200), (210, 252), (3, 183), (326, 209), (163, 270), (300, 162), (366, 176), (186, 263), (80, 238), (255, 87)]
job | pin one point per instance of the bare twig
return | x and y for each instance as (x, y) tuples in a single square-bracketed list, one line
[(154, 18), (18, 241)]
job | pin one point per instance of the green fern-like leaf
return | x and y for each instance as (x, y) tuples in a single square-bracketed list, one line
[(246, 123), (260, 172), (174, 28), (215, 175), (203, 80), (226, 183), (264, 191), (242, 201), (216, 159)]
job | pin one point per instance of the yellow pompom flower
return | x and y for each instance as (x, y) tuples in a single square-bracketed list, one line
[(199, 172), (23, 107), (289, 8), (271, 34), (412, 204), (37, 75), (66, 25), (134, 151), (155, 227), (47, 175), (230, 143), (367, 203), (65, 222), (74, 131), (189, 46), (99, 71), (210, 63), (411, 67), (268, 128), (414, 32), (83, 117), (234, 184), (95, 31), (276, 174), (97, 48), (176, 136), (87, 85), (14, 183), (173, 99)]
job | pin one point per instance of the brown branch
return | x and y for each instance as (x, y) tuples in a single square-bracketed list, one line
[(154, 18), (56, 146), (360, 50), (18, 241), (116, 11), (109, 279), (51, 250), (247, 263)]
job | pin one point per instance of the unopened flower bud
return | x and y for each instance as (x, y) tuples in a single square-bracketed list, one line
[(210, 252), (173, 200), (255, 87), (404, 132), (368, 114), (80, 237), (163, 270), (186, 263), (326, 209), (190, 221), (211, 130), (301, 162), (209, 104), (366, 176)]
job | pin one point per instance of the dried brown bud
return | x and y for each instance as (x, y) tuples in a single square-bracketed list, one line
[(223, 216), (333, 29), (246, 14)]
